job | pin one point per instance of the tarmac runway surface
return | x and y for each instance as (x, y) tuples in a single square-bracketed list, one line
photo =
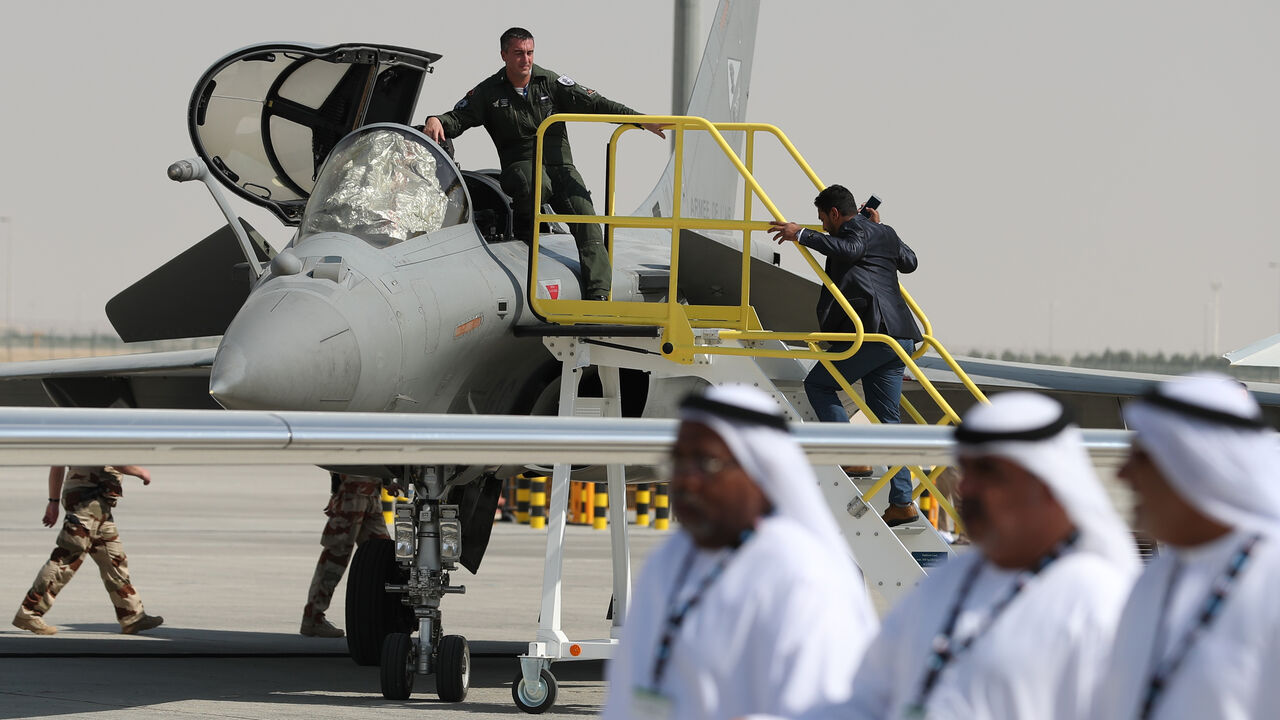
[(226, 554)]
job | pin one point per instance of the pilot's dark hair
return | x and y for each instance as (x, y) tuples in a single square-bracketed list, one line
[(838, 197), (515, 33)]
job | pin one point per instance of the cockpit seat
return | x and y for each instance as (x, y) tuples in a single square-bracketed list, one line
[(491, 206)]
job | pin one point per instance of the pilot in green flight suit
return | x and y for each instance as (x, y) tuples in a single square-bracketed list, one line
[(510, 104)]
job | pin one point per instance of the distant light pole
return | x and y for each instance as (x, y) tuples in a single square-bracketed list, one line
[(1275, 265), (1216, 287), (684, 62), (1053, 307), (1204, 329)]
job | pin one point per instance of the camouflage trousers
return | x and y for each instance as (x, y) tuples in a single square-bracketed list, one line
[(354, 518), (87, 528)]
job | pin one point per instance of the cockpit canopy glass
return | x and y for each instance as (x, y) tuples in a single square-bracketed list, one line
[(265, 117), (385, 184)]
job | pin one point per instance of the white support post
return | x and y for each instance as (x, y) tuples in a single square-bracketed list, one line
[(549, 631), (620, 542)]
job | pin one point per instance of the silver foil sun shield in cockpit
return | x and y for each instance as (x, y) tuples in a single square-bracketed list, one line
[(384, 186)]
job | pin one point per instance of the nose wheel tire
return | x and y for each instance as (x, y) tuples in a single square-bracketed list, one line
[(537, 699), (399, 665), (372, 612), (453, 671)]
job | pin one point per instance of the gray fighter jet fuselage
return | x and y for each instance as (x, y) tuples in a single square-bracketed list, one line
[(358, 322)]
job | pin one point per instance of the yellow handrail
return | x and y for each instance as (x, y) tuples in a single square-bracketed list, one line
[(739, 321)]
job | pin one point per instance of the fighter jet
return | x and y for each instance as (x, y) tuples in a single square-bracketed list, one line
[(403, 289)]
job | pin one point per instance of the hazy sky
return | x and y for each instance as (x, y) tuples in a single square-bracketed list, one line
[(1072, 176)]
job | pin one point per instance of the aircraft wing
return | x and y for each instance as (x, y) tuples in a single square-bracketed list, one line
[(1095, 396), (172, 379), (122, 436), (1263, 353)]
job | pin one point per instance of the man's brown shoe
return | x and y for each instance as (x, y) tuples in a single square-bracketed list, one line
[(146, 622), (900, 515), (858, 471), (320, 628), (33, 623)]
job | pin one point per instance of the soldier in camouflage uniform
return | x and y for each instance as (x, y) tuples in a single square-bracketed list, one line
[(88, 494), (355, 515), (511, 104)]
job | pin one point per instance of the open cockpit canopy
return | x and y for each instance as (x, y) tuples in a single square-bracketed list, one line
[(265, 117)]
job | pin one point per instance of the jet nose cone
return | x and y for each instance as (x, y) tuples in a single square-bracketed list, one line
[(286, 350)]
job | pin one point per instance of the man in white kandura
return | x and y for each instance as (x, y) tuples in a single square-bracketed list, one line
[(1020, 628), (1200, 636), (756, 605)]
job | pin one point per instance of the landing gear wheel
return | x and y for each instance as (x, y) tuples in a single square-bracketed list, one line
[(453, 669), (372, 612), (535, 700), (399, 665)]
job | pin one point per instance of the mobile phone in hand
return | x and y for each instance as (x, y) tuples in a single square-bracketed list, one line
[(872, 203)]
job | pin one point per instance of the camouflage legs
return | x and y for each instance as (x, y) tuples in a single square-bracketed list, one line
[(358, 518), (87, 529), (563, 189)]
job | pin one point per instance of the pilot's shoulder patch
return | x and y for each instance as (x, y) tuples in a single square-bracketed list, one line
[(565, 80), (461, 103)]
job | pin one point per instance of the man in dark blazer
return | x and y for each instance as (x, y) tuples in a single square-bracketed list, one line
[(863, 260)]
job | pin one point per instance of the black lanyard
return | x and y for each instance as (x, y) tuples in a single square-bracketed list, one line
[(943, 652), (1218, 593), (678, 611)]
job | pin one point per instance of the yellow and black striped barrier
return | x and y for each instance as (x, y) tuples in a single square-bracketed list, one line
[(582, 503), (601, 519), (661, 508), (522, 499), (538, 503), (642, 505), (589, 504)]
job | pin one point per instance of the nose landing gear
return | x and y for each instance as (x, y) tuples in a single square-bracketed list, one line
[(405, 581)]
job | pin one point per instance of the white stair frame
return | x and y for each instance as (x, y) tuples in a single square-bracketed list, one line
[(883, 553)]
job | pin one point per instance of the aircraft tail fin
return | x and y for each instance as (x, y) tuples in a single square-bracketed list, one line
[(196, 294), (720, 90)]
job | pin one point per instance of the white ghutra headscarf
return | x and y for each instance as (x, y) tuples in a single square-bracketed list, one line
[(1206, 435), (751, 423), (1036, 432)]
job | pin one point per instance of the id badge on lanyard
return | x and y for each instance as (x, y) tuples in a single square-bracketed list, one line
[(646, 703)]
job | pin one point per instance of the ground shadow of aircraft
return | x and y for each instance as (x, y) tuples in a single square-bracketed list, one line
[(239, 672)]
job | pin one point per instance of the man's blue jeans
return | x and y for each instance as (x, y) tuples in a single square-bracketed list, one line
[(880, 371)]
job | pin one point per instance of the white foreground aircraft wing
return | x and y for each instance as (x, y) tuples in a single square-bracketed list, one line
[(71, 436)]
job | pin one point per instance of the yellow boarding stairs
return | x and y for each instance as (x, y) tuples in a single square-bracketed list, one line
[(688, 344)]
